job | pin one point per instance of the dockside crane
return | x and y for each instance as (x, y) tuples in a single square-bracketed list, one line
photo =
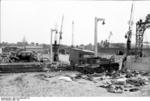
[(107, 41), (56, 45), (109, 36), (141, 26), (129, 33), (60, 32), (0, 25), (72, 33), (128, 37), (51, 45)]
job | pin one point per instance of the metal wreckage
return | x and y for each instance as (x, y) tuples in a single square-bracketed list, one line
[(20, 61)]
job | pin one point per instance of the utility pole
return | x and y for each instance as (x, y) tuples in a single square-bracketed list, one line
[(72, 33), (95, 34)]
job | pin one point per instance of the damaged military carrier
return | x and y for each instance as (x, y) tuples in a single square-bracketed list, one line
[(15, 60), (85, 62)]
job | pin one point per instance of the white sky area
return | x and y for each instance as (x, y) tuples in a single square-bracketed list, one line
[(34, 19)]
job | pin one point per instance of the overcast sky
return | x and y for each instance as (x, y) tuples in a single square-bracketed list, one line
[(34, 19)]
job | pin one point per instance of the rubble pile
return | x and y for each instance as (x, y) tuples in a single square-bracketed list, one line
[(130, 81), (118, 82)]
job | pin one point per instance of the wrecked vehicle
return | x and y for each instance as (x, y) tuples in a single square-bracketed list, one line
[(24, 56), (97, 65), (20, 61), (85, 62)]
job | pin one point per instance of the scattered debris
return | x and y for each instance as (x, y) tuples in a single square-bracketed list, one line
[(136, 81), (65, 78), (130, 81), (134, 89), (121, 81), (115, 89), (83, 76), (105, 84), (78, 76), (43, 76)]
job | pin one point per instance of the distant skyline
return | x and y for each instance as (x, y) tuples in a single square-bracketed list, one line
[(34, 19)]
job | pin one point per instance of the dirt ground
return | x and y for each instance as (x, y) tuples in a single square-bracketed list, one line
[(48, 84)]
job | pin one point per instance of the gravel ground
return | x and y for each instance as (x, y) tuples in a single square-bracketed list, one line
[(49, 84)]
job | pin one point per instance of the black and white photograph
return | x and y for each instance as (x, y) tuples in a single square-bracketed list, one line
[(74, 48)]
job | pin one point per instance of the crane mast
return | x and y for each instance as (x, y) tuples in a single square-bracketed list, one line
[(141, 26), (109, 36), (0, 23), (72, 33), (60, 32), (129, 33)]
